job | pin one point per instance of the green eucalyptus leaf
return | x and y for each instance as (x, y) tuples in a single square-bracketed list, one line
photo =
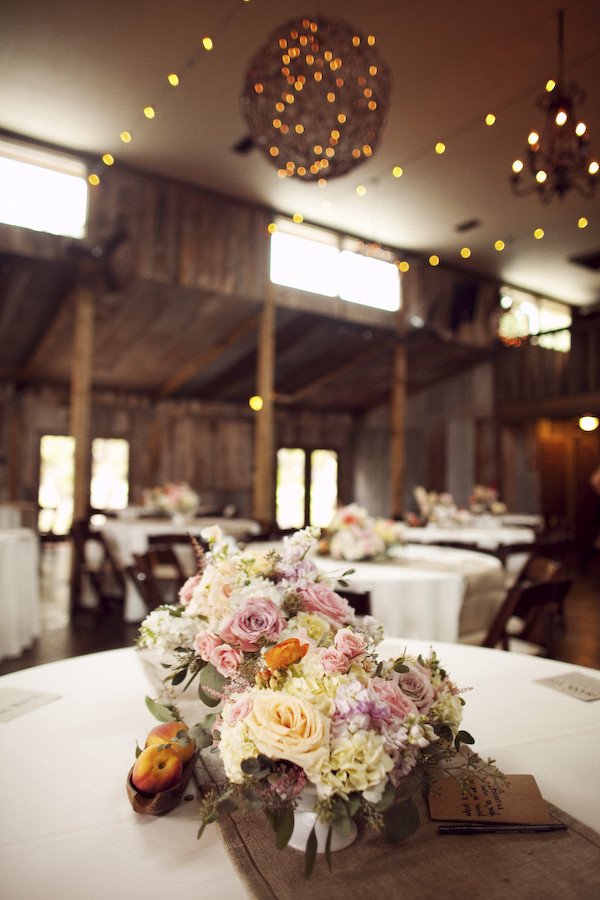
[(463, 737), (400, 821), (272, 817), (400, 667), (310, 856), (387, 798), (341, 820), (210, 685), (208, 721), (178, 677), (137, 750), (255, 768), (328, 848), (285, 826), (160, 712), (352, 804)]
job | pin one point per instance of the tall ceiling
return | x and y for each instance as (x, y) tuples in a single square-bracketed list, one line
[(76, 73)]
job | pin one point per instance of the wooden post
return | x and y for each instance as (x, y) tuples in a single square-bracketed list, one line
[(398, 443), (81, 382), (264, 472)]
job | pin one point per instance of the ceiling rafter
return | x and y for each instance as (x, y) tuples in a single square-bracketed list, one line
[(194, 366)]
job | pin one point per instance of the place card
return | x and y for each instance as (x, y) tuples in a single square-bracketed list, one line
[(518, 801), (18, 701), (575, 684)]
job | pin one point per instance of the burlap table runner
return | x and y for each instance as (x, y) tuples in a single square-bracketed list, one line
[(537, 866)]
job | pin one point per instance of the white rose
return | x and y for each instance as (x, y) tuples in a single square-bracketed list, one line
[(287, 727)]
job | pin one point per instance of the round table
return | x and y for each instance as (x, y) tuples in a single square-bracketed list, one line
[(19, 590), (68, 829)]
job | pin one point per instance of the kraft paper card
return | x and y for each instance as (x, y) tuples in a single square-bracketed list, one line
[(17, 701), (575, 684), (518, 803)]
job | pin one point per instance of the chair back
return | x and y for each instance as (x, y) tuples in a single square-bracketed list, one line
[(94, 559), (158, 575), (537, 606), (359, 601)]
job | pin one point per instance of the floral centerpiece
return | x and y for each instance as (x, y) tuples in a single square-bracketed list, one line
[(310, 717), (484, 499), (353, 534), (175, 498), (438, 508)]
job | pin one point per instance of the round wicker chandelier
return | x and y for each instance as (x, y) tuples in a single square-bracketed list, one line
[(316, 97)]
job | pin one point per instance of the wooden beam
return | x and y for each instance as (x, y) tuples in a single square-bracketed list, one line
[(397, 441), (194, 366), (574, 405), (326, 377), (263, 505), (81, 382)]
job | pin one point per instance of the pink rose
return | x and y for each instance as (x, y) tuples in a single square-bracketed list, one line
[(226, 659), (259, 618), (333, 660), (239, 709), (318, 598), (416, 684), (349, 643), (186, 590), (204, 644), (399, 704)]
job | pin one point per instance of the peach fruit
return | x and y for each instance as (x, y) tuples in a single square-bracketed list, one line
[(176, 735), (157, 768)]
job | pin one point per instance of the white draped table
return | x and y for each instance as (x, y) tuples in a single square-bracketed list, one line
[(67, 829), (19, 590), (129, 536), (489, 536), (431, 593)]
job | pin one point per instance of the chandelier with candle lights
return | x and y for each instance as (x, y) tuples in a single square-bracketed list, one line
[(315, 97), (558, 157)]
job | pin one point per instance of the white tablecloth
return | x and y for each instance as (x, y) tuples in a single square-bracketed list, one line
[(426, 592), (67, 829), (19, 590), (131, 536), (10, 516), (488, 537)]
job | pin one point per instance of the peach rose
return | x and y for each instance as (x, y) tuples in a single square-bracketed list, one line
[(285, 654), (283, 726)]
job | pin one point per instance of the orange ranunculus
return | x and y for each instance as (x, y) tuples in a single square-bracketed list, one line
[(285, 654)]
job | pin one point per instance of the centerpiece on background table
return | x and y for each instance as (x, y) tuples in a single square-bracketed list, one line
[(437, 508), (484, 499), (353, 534), (312, 727), (175, 498)]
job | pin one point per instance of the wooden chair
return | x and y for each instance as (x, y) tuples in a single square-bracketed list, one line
[(525, 622), (186, 547), (95, 561), (158, 575)]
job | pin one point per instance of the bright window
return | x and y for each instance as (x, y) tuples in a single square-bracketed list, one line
[(307, 487), (42, 190), (110, 473), (109, 483), (545, 322), (311, 259)]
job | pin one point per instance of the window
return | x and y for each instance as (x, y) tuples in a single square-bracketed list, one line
[(307, 487), (312, 259), (545, 322), (109, 482), (110, 473), (43, 191)]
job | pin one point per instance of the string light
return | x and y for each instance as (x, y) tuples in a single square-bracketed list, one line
[(538, 234), (490, 119), (582, 223), (93, 179), (173, 79), (149, 112), (108, 159), (397, 171), (465, 252), (125, 137), (207, 43), (434, 260), (256, 403), (499, 246), (440, 148)]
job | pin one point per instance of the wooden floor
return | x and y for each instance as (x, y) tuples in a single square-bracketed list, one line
[(89, 632)]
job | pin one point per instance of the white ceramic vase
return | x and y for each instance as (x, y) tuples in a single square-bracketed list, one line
[(305, 819)]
